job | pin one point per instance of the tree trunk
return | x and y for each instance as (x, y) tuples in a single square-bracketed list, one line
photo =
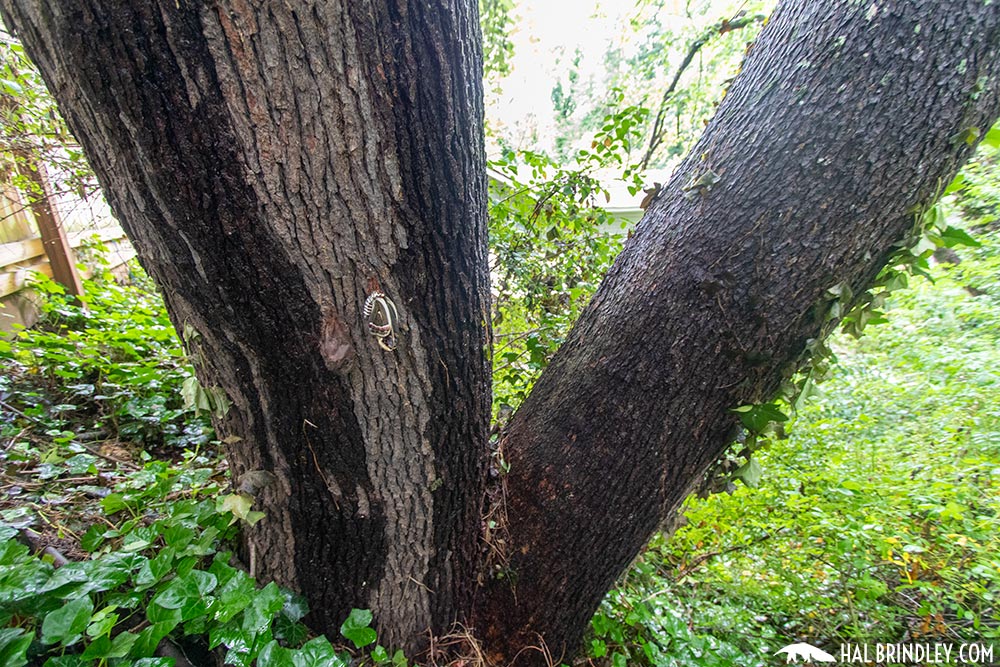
[(847, 120), (274, 164)]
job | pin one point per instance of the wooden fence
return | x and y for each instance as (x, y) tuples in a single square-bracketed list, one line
[(19, 259), (56, 237)]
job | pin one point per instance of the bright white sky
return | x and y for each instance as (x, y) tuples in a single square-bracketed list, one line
[(546, 36)]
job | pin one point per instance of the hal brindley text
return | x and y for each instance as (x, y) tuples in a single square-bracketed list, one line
[(930, 653)]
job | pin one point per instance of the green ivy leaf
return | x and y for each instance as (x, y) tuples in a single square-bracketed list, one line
[(112, 503), (259, 615), (317, 653), (239, 505), (150, 638), (102, 622), (66, 624), (156, 569), (296, 606), (14, 643), (750, 473), (953, 236), (756, 417), (234, 596), (238, 642), (274, 655), (188, 593), (356, 628), (289, 632), (93, 538)]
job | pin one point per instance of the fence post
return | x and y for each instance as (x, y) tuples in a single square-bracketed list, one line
[(50, 226)]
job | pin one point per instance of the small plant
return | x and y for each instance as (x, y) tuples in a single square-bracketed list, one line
[(158, 574), (108, 364)]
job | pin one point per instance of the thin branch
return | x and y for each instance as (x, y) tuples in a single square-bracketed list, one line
[(700, 560), (722, 27)]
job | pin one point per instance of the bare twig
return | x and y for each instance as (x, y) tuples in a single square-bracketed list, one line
[(167, 649), (95, 452), (722, 27), (700, 560)]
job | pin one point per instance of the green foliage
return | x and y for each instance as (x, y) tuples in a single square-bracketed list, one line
[(550, 245), (356, 628), (976, 191), (110, 364), (656, 50), (157, 572), (495, 19), (31, 126), (877, 517)]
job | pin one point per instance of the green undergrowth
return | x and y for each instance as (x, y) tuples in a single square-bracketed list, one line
[(157, 580), (117, 524), (156, 576), (108, 368), (876, 519)]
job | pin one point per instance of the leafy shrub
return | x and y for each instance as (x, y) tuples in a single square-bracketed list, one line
[(550, 245), (109, 363)]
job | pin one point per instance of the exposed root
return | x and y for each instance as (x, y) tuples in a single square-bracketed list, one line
[(542, 648), (458, 648)]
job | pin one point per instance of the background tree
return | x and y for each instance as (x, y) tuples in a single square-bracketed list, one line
[(275, 166), (33, 134)]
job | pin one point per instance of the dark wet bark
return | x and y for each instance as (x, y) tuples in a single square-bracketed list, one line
[(846, 120)]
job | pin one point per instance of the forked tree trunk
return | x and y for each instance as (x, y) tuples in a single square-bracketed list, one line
[(273, 162)]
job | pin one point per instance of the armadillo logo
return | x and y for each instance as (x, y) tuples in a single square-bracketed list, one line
[(806, 653)]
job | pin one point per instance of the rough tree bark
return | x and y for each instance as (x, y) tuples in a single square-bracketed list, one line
[(271, 161), (274, 163), (847, 118)]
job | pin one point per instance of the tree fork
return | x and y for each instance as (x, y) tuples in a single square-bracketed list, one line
[(846, 119), (273, 165)]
